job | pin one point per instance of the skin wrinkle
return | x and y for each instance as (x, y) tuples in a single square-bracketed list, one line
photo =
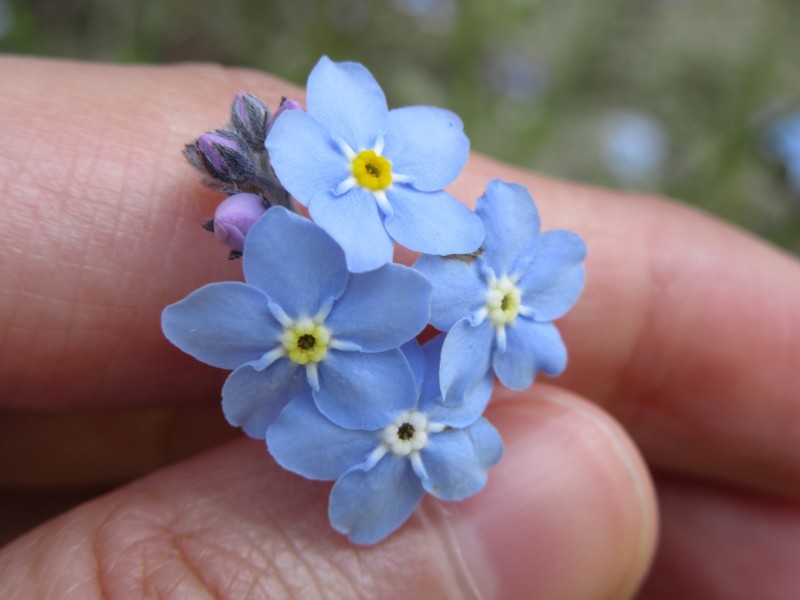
[(437, 517), (289, 558), (152, 538), (97, 557), (313, 573), (246, 554), (191, 570), (279, 568)]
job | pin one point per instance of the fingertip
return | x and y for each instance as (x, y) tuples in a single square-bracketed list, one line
[(569, 512)]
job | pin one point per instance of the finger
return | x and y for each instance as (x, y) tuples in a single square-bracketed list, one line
[(571, 497), (99, 214), (685, 330), (718, 543), (102, 448)]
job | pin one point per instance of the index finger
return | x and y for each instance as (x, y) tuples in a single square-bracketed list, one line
[(686, 331)]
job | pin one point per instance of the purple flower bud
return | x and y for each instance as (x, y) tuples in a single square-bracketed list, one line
[(286, 104), (223, 156), (235, 216), (249, 116)]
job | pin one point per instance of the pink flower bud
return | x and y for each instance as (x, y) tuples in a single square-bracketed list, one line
[(235, 216), (223, 156), (249, 116)]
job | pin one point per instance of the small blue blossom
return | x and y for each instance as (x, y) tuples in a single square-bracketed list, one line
[(635, 147), (382, 472), (497, 304), (303, 324), (782, 142), (370, 175)]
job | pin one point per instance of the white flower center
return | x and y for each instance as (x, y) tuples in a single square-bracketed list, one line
[(408, 433), (502, 301)]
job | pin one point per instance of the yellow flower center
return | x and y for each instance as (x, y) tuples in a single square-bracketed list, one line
[(502, 302), (372, 171), (306, 341)]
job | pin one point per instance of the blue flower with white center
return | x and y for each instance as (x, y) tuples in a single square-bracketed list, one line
[(497, 304), (370, 175), (382, 472), (302, 324)]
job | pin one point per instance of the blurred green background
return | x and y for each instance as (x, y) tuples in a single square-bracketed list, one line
[(695, 99)]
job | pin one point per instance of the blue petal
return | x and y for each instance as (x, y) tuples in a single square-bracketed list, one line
[(456, 460), (416, 360), (428, 144), (345, 98), (382, 309), (432, 222), (458, 290), (306, 443), (555, 277), (431, 391), (511, 221), (361, 390), (530, 347), (458, 411), (369, 505), (297, 264), (463, 413), (222, 324), (487, 442), (354, 222), (466, 362), (253, 399), (304, 157)]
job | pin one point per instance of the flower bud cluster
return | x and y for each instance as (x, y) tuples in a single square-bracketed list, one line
[(234, 160)]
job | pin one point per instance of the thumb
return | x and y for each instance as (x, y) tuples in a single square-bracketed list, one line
[(569, 513)]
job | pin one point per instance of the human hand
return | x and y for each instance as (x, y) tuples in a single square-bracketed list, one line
[(98, 213)]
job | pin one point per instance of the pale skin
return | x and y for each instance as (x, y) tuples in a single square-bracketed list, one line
[(686, 341)]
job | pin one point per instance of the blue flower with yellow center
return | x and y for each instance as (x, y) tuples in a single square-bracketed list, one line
[(370, 175), (303, 324), (497, 305), (382, 472)]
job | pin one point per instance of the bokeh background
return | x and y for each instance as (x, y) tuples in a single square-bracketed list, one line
[(694, 99)]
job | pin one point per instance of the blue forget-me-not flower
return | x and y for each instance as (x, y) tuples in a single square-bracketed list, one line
[(303, 323), (782, 143), (498, 303), (370, 175), (383, 471)]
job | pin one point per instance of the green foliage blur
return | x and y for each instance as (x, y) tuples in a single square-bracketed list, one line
[(666, 96)]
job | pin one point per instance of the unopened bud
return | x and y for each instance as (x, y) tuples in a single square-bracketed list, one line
[(249, 116), (235, 216), (286, 104), (223, 156)]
